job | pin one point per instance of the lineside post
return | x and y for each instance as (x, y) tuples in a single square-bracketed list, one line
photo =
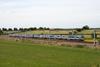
[(94, 35)]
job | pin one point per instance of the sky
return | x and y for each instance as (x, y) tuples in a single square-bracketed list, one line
[(49, 13)]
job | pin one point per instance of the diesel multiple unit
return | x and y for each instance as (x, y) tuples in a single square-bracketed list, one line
[(49, 36)]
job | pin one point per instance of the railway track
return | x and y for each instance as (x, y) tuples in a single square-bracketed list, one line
[(58, 41)]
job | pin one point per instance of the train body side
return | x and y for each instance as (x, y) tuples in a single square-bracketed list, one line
[(50, 36)]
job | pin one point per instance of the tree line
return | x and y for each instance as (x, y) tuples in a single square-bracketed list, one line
[(76, 30), (2, 30), (23, 29), (86, 27)]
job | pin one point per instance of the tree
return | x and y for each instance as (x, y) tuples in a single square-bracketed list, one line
[(25, 29), (78, 29), (15, 29), (10, 29), (41, 28), (86, 27), (21, 29), (4, 29), (46, 28), (32, 28)]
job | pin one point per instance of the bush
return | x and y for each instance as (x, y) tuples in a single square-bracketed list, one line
[(69, 45), (1, 32), (80, 46), (66, 45), (86, 27), (78, 30)]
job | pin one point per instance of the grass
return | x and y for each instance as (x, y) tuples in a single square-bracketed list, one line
[(46, 32), (85, 32), (25, 54)]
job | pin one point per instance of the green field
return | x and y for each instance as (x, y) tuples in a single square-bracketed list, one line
[(47, 32), (26, 54), (85, 32)]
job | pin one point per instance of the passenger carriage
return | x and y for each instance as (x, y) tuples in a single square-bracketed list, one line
[(50, 36)]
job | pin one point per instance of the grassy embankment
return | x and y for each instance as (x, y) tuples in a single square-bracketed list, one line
[(26, 54)]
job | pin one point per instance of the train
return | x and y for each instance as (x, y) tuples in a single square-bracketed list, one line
[(50, 36)]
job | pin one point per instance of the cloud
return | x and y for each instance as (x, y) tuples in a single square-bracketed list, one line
[(15, 4), (15, 11), (13, 0), (49, 12)]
